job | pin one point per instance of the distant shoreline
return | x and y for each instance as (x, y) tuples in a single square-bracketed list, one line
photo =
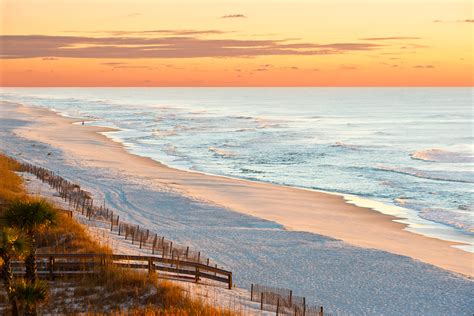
[(335, 217)]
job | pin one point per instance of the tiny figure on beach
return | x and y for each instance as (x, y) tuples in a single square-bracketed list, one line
[(82, 122)]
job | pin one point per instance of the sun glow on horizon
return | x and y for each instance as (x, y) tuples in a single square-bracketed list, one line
[(236, 43)]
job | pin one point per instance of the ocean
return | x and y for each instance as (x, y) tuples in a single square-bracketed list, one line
[(403, 151)]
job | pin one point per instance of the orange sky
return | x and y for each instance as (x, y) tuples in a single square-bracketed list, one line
[(236, 43)]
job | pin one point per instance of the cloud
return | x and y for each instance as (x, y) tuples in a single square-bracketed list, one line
[(153, 32), (44, 46), (348, 67), (133, 67), (113, 64), (389, 38), (233, 16), (50, 58), (131, 15), (424, 66), (457, 21)]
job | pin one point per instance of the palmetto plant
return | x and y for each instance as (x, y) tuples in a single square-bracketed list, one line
[(12, 243), (30, 216), (30, 295)]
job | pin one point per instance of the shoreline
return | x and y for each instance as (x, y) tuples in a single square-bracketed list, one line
[(400, 214), (340, 219)]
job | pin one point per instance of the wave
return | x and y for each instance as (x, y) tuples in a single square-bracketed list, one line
[(251, 171), (221, 153), (448, 217), (164, 133), (451, 176), (245, 130), (458, 217), (440, 155), (243, 117), (344, 145)]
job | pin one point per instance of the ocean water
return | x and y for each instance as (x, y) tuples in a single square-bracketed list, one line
[(402, 151)]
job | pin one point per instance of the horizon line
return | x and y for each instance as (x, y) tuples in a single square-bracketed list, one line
[(263, 86)]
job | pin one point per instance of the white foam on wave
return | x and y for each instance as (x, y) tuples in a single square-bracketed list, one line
[(437, 175), (440, 155), (221, 153), (344, 145), (164, 133), (414, 222)]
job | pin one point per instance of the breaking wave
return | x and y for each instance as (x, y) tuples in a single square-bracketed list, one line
[(344, 145), (221, 153), (440, 155), (451, 176)]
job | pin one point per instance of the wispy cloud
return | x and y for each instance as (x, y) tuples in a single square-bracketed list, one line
[(389, 38), (152, 32), (113, 64), (424, 66), (42, 46), (233, 16), (455, 21), (50, 58), (344, 67)]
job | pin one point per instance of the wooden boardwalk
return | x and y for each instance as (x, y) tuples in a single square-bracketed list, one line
[(54, 265)]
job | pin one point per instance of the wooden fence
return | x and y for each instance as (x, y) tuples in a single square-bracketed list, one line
[(81, 201), (283, 302), (170, 257), (52, 265)]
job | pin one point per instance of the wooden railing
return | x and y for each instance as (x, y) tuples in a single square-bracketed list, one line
[(80, 201), (53, 265)]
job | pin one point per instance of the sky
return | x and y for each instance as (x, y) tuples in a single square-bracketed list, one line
[(236, 43)]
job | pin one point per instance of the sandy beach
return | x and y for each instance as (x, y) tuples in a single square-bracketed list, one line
[(352, 260), (296, 209)]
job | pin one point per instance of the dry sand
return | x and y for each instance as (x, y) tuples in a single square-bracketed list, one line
[(296, 209)]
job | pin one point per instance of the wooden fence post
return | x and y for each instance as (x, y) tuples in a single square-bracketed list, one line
[(261, 301), (154, 244), (251, 292), (51, 267), (150, 265), (321, 311), (304, 306), (278, 306), (291, 296), (197, 275)]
